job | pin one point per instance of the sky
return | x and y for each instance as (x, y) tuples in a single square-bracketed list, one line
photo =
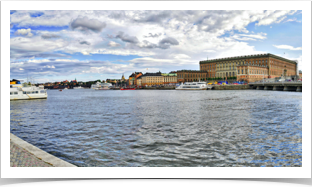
[(89, 45)]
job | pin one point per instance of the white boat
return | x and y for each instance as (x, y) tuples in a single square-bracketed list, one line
[(193, 86), (18, 92), (78, 87), (101, 86)]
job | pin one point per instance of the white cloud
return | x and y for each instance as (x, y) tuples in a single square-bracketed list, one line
[(291, 20), (287, 47), (246, 37), (113, 44), (25, 32), (274, 17)]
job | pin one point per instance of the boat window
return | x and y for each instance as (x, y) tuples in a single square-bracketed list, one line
[(24, 92), (15, 93), (28, 92), (11, 93), (36, 92)]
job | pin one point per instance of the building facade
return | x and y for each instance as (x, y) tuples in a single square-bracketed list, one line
[(191, 75), (170, 78), (133, 78), (150, 79), (250, 68), (139, 81)]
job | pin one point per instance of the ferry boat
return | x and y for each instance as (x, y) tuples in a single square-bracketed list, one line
[(101, 86), (19, 91), (193, 86), (78, 87)]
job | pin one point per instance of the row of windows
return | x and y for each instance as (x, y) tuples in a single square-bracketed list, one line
[(33, 92), (226, 74), (191, 75), (260, 72)]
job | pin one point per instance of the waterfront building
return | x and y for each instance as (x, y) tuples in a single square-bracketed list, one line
[(191, 75), (139, 81), (133, 78), (170, 78), (151, 79), (250, 68)]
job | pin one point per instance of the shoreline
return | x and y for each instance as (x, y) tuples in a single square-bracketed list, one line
[(33, 156)]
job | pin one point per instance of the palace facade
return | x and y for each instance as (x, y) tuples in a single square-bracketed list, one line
[(191, 75), (249, 68)]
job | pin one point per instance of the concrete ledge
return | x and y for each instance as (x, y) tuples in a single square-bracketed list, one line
[(46, 157)]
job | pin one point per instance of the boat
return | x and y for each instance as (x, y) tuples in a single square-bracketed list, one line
[(101, 86), (20, 91), (193, 86), (60, 90), (78, 87), (127, 89), (65, 88)]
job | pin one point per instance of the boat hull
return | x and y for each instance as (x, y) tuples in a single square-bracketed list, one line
[(28, 97)]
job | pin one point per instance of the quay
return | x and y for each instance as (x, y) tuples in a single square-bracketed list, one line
[(23, 154), (230, 87), (277, 86)]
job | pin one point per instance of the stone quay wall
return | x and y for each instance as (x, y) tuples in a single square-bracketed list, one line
[(231, 87)]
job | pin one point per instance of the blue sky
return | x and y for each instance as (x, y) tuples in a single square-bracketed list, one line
[(88, 45)]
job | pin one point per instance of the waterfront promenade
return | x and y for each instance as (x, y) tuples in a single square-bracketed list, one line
[(23, 154)]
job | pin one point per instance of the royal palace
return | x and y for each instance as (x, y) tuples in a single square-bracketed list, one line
[(243, 68)]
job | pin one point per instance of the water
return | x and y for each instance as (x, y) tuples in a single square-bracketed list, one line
[(159, 128)]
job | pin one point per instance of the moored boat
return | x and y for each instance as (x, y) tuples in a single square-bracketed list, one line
[(101, 86), (24, 92), (78, 87), (193, 86)]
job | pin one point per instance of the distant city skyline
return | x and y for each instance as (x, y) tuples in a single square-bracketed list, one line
[(54, 46)]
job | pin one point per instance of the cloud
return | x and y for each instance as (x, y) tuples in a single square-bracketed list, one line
[(167, 42), (288, 47), (253, 37), (85, 42), (49, 36), (271, 17), (87, 24), (113, 44), (127, 38), (25, 32), (292, 20), (35, 46), (153, 35)]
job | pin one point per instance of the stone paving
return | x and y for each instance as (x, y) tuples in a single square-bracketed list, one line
[(19, 157)]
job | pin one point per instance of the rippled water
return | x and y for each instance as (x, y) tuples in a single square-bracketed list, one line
[(164, 127)]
